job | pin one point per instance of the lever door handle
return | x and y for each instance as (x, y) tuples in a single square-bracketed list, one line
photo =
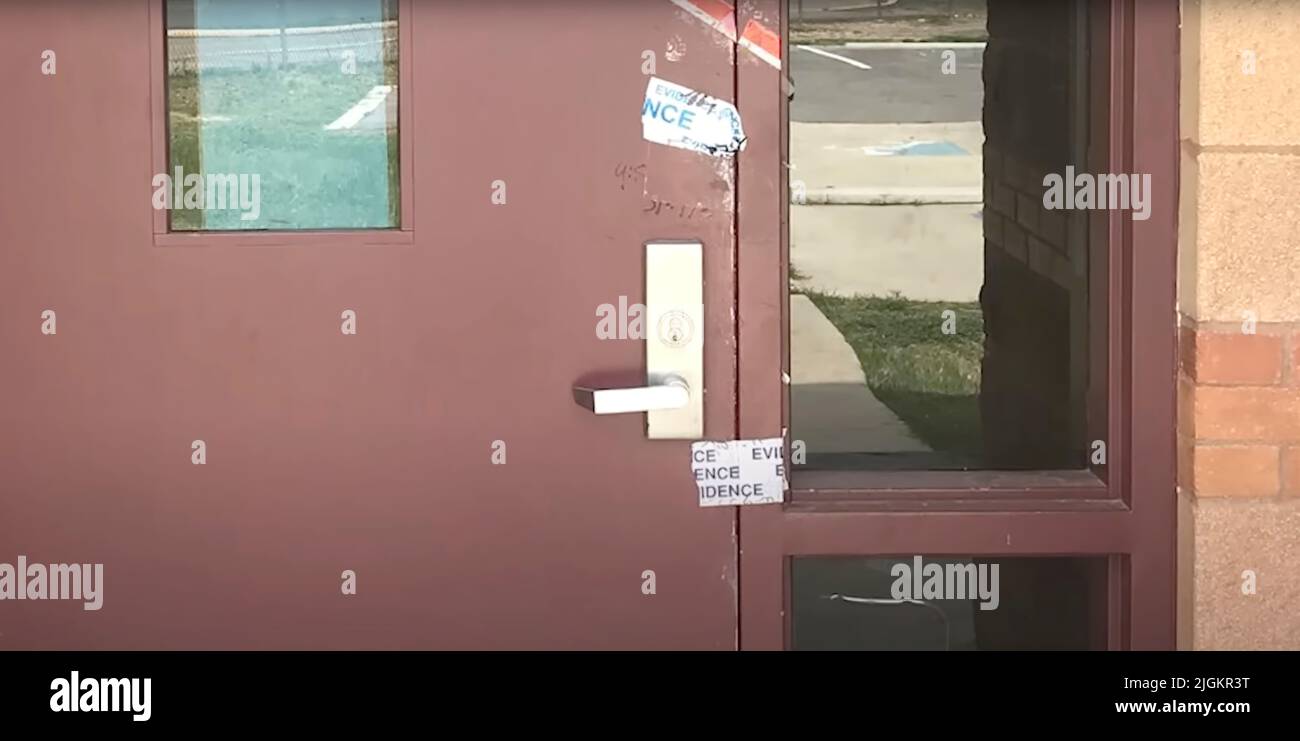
[(672, 393)]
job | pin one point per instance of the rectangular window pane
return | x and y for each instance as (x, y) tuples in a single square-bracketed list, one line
[(282, 114), (939, 305), (937, 603)]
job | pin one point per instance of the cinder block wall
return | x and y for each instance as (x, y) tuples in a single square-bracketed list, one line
[(1034, 293), (1239, 314)]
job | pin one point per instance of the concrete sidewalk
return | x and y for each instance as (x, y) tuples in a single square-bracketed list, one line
[(888, 208), (832, 409), (845, 239), (866, 164), (926, 253)]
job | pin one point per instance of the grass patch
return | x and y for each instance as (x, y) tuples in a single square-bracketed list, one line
[(929, 378)]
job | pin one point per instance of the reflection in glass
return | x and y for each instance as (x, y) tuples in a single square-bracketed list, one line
[(947, 603), (938, 312), (282, 114)]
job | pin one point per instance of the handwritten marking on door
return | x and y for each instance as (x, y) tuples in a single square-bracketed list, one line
[(683, 210), (632, 175), (629, 175)]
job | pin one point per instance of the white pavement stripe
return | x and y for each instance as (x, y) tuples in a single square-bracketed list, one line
[(836, 57), (365, 105), (914, 45)]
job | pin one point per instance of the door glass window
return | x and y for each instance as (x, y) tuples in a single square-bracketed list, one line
[(939, 307), (282, 114), (952, 603)]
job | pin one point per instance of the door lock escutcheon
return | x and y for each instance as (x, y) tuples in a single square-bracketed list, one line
[(673, 397)]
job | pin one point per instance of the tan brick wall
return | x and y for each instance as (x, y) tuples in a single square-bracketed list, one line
[(1239, 340)]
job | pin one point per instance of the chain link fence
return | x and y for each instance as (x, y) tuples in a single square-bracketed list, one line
[(193, 50)]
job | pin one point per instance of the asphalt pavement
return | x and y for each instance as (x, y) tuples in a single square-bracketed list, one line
[(879, 124), (902, 85)]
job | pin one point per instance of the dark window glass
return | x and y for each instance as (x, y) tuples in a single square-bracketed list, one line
[(985, 603)]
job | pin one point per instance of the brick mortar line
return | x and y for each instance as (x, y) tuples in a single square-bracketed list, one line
[(1219, 326), (1280, 385), (1194, 149), (1247, 443), (1245, 499)]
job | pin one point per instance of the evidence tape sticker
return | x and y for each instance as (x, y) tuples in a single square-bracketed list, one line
[(678, 116)]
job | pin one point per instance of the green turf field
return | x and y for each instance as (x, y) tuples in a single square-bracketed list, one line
[(270, 121)]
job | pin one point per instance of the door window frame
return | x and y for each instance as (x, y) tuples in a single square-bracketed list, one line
[(404, 234), (1126, 510)]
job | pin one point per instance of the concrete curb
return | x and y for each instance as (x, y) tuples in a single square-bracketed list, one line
[(889, 196), (911, 44)]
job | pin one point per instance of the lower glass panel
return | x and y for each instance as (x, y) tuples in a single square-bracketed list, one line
[(949, 603)]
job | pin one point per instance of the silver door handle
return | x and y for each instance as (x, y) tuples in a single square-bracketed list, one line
[(672, 393)]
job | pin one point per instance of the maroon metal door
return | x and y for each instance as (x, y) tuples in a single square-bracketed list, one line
[(374, 453)]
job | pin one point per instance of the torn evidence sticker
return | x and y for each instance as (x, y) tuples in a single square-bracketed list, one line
[(681, 117), (739, 472)]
